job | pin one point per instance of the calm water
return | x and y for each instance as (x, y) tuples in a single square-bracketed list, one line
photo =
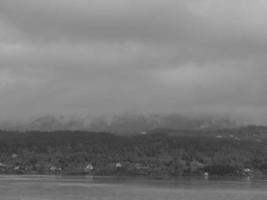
[(89, 188)]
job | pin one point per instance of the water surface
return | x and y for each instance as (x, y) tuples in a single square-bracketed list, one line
[(128, 188)]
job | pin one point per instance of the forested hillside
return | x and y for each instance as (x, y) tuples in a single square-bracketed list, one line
[(220, 152)]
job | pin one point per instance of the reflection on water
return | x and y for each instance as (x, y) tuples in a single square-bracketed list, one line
[(131, 188)]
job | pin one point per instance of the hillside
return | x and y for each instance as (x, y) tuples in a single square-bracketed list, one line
[(157, 154), (122, 124)]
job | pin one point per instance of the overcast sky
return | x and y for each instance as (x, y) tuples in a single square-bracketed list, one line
[(150, 56)]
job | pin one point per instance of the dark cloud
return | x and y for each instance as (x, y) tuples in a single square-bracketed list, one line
[(101, 56)]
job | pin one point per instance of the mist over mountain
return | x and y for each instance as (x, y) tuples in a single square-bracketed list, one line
[(124, 123), (112, 56)]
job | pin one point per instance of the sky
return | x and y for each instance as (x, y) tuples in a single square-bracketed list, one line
[(95, 57)]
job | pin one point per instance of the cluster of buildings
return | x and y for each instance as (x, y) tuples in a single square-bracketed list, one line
[(89, 168)]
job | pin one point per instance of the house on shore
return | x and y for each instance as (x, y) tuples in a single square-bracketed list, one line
[(118, 165), (89, 168)]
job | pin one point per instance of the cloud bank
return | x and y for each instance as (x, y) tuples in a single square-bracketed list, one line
[(110, 56)]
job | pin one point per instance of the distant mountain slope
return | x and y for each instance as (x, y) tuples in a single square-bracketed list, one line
[(125, 124), (49, 123)]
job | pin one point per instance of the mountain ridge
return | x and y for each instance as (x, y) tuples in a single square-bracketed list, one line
[(122, 124)]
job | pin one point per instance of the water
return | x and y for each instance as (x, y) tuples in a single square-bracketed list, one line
[(119, 188)]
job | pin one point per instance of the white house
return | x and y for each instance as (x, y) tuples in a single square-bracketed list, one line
[(118, 165), (2, 165), (89, 167)]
